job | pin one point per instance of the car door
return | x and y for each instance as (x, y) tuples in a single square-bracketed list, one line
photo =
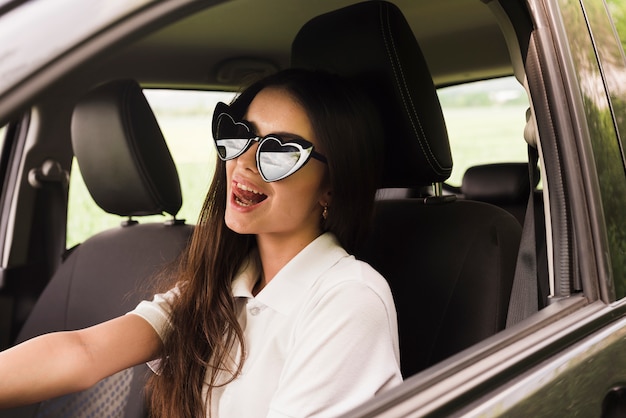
[(567, 359)]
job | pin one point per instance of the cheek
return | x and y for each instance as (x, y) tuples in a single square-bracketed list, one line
[(302, 195)]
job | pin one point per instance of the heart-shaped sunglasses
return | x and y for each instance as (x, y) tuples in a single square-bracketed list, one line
[(276, 158)]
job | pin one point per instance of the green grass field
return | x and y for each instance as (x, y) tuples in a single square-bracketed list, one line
[(480, 135)]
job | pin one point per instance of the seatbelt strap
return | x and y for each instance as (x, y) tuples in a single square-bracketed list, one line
[(524, 294)]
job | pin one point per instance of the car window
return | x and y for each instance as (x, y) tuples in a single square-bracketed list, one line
[(608, 125), (185, 119), (485, 122), (617, 9)]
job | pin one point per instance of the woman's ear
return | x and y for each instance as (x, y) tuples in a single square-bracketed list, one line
[(326, 198)]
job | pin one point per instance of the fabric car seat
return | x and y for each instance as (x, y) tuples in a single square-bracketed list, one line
[(128, 170), (450, 263)]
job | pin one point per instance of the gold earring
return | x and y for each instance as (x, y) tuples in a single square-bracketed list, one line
[(325, 212)]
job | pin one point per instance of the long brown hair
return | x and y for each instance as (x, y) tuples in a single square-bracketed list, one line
[(204, 319)]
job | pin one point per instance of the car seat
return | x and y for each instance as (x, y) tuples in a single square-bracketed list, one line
[(450, 263), (128, 170)]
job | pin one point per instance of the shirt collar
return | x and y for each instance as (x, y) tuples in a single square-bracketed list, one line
[(247, 276), (284, 291)]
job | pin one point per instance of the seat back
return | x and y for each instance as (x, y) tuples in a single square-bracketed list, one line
[(450, 264), (450, 267), (128, 170)]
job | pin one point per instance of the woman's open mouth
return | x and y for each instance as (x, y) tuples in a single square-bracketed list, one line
[(246, 196)]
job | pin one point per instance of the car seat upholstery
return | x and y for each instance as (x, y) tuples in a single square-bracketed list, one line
[(128, 170), (506, 185), (450, 263)]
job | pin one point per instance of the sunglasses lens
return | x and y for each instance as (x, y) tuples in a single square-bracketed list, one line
[(231, 138), (230, 148), (277, 160)]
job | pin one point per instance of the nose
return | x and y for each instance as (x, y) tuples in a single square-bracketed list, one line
[(247, 160)]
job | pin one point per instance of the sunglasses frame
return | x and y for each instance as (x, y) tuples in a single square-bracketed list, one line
[(306, 150)]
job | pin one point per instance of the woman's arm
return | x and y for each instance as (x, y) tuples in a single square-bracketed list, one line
[(65, 362)]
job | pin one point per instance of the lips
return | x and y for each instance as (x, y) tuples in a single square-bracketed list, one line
[(247, 196)]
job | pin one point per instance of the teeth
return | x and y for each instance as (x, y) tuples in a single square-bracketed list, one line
[(247, 189), (242, 203), (247, 196)]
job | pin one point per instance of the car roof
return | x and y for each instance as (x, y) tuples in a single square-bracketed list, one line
[(460, 39), (212, 44)]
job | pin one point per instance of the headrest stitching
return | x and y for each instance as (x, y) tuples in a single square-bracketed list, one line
[(428, 153)]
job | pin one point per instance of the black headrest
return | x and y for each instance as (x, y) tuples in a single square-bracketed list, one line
[(498, 183), (122, 154), (372, 43)]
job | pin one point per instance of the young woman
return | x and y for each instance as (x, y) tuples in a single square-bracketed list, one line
[(268, 314)]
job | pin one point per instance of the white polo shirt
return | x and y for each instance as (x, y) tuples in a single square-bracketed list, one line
[(321, 337)]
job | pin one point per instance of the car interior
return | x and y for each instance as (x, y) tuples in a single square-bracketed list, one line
[(448, 253)]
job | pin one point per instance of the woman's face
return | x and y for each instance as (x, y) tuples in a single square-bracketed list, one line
[(289, 208)]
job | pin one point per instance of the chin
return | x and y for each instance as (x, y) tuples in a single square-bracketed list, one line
[(238, 227)]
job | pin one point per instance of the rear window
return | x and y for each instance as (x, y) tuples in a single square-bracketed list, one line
[(485, 122)]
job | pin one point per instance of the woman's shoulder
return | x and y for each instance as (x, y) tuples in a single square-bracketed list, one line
[(350, 277), (337, 276), (352, 296), (352, 271), (344, 263)]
